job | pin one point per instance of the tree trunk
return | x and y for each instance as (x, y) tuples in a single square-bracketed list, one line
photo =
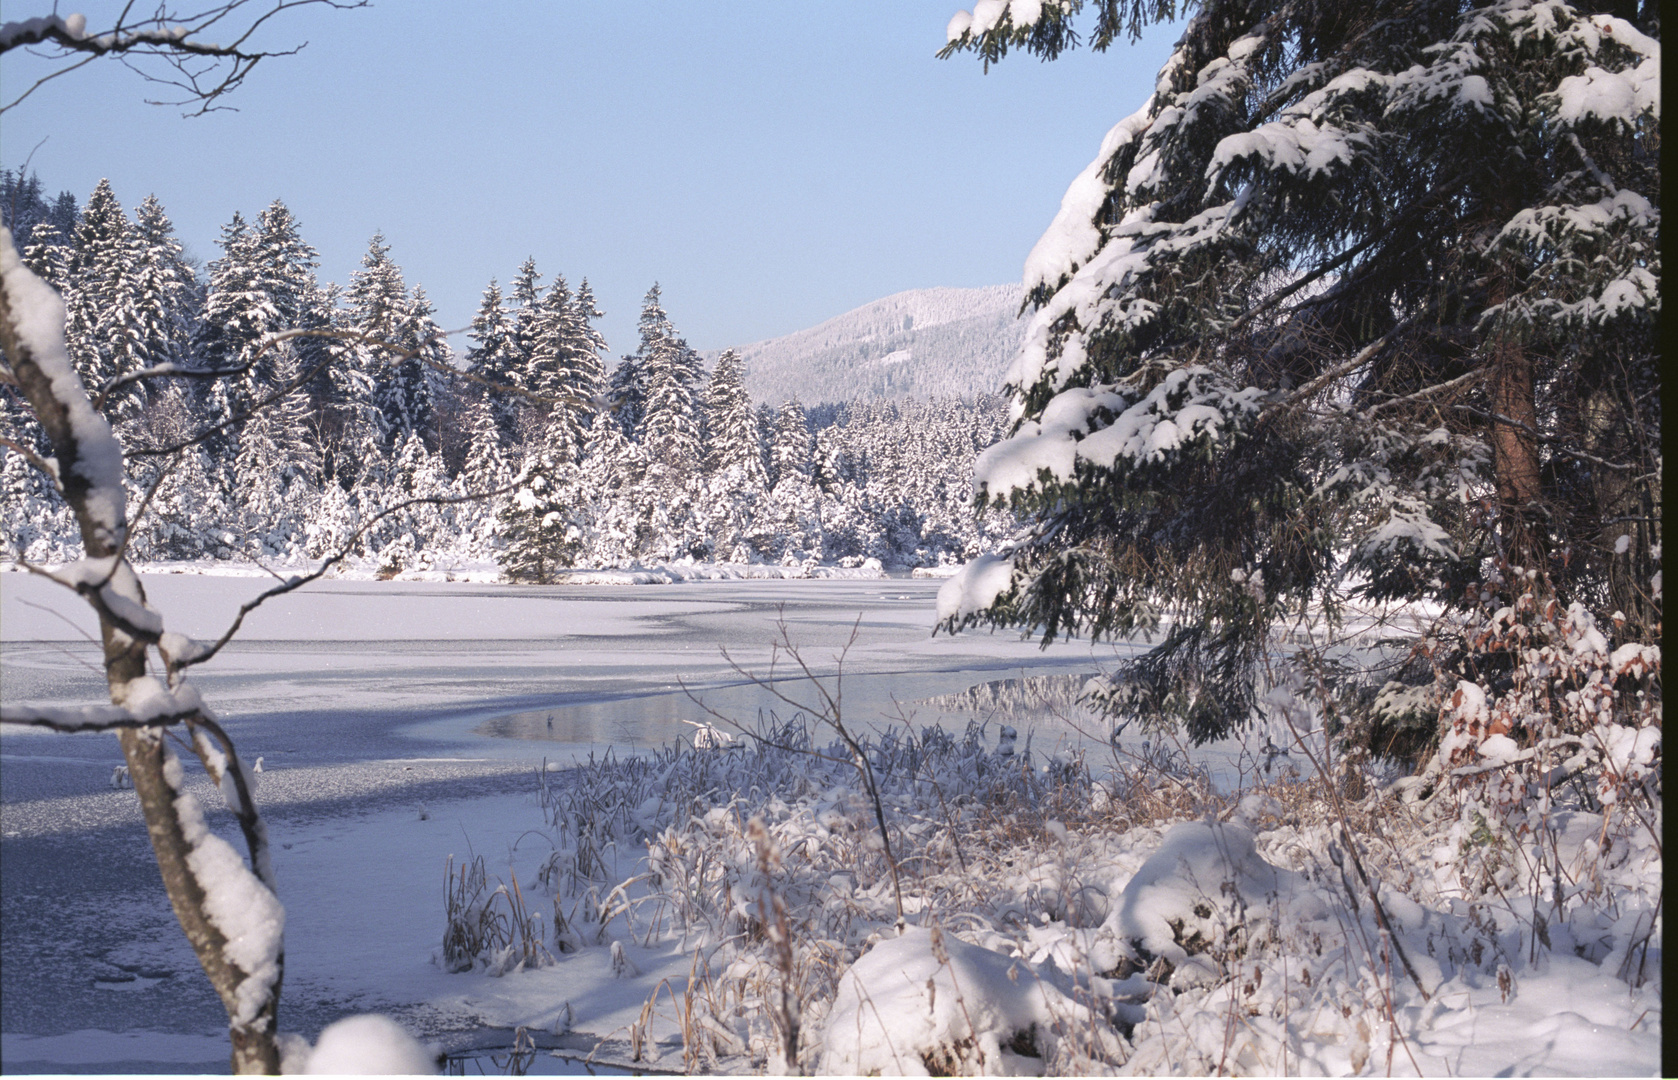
[(1514, 438), (254, 1048)]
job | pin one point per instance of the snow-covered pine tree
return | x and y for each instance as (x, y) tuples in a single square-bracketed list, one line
[(492, 355), (586, 342), (732, 437), (22, 201), (96, 287), (524, 342), (627, 388), (538, 526), (1363, 299), (265, 283), (404, 387), (787, 525), (377, 307), (25, 208), (486, 466), (48, 254), (670, 427), (670, 438), (163, 293), (789, 452), (416, 384), (611, 504), (276, 473), (233, 314), (188, 514), (565, 367)]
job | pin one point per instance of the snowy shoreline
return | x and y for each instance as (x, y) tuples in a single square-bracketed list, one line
[(485, 573)]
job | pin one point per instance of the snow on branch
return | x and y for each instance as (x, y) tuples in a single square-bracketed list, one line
[(88, 456), (147, 706), (203, 70)]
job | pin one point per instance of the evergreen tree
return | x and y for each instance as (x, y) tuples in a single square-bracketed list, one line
[(584, 340), (628, 391), (789, 453), (277, 470), (733, 441), (486, 467), (381, 309), (528, 317), (65, 214), (233, 307), (611, 499), (670, 424), (493, 357), (565, 366), (159, 318), (22, 204), (264, 284), (48, 255), (1364, 300), (95, 288), (538, 523)]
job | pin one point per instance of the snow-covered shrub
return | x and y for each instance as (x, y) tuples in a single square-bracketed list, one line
[(1199, 898), (1547, 782), (929, 1004)]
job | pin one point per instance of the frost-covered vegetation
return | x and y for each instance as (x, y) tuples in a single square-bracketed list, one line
[(1072, 915), (1361, 305)]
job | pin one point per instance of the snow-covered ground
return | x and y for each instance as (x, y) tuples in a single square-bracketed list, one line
[(365, 700), (1096, 911)]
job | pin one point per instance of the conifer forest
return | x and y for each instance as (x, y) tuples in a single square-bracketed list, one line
[(540, 456)]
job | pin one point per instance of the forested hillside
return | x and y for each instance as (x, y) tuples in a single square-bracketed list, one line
[(918, 344), (532, 455)]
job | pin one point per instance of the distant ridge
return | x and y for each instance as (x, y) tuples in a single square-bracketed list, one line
[(922, 343)]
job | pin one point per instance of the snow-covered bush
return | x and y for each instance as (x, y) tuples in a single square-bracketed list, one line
[(1125, 918), (1546, 783)]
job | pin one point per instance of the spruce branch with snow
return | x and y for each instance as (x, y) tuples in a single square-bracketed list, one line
[(1358, 306)]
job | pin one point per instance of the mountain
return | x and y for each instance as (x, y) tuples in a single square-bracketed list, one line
[(919, 344)]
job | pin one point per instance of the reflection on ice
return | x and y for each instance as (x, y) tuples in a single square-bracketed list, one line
[(1046, 711)]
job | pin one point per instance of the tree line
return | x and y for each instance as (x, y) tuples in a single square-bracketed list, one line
[(527, 450)]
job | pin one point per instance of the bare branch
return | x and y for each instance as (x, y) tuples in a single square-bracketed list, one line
[(1549, 440), (166, 36), (1460, 382)]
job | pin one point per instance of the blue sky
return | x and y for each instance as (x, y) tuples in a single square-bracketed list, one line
[(771, 164)]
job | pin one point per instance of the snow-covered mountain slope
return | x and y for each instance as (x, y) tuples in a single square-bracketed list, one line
[(918, 344)]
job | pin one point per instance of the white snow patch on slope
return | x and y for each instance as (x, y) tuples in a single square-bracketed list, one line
[(938, 342)]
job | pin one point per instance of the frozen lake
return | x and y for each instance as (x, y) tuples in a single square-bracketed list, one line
[(399, 723)]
